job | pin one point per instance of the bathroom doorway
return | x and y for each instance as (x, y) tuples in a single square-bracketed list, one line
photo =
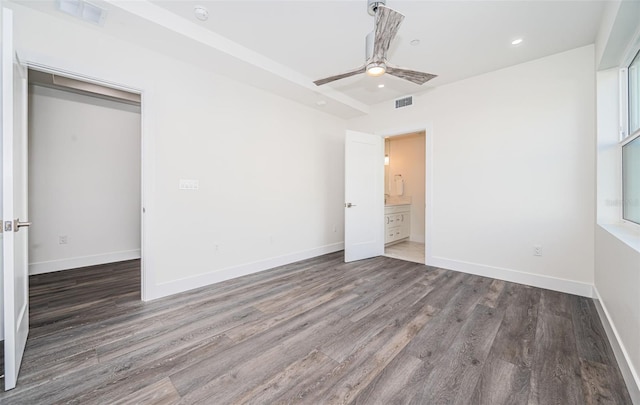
[(405, 196)]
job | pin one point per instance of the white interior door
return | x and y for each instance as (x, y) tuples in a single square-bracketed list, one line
[(14, 205), (364, 196)]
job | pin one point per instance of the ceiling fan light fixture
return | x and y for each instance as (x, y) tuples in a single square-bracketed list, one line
[(376, 69), (387, 23)]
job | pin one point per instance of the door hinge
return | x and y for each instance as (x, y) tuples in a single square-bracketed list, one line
[(8, 226)]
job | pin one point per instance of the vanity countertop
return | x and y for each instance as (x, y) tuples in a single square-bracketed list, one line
[(394, 200)]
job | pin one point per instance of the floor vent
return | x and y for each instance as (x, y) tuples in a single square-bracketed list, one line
[(404, 102)]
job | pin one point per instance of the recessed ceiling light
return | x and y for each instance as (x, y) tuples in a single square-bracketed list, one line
[(415, 42), (201, 13), (381, 85), (516, 41)]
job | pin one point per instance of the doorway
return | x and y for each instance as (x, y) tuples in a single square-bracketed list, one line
[(49, 95), (84, 180), (405, 196)]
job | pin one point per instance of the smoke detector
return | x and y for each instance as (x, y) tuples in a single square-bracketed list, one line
[(201, 13)]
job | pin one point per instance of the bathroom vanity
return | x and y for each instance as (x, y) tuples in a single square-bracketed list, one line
[(397, 223)]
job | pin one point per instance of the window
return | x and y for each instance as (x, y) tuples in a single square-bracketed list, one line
[(634, 94), (631, 144), (631, 180)]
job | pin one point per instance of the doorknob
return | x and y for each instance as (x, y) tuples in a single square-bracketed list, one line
[(349, 205), (17, 225)]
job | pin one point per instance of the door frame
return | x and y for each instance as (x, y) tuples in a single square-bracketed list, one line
[(146, 281), (427, 128)]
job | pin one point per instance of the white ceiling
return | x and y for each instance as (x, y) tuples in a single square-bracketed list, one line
[(283, 46)]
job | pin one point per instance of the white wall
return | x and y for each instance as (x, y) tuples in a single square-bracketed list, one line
[(513, 167), (407, 157), (270, 170), (84, 180), (617, 261), (617, 279)]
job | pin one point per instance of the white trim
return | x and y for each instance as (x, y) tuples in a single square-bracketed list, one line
[(627, 232), (201, 280), (82, 261), (629, 374), (428, 197), (146, 155), (515, 276), (77, 76), (623, 93)]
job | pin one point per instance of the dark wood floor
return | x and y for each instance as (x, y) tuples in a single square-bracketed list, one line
[(379, 331)]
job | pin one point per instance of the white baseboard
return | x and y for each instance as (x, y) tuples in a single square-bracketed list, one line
[(201, 280), (83, 261), (629, 374), (417, 238), (515, 276)]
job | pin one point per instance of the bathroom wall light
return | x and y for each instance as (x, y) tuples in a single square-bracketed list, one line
[(386, 160)]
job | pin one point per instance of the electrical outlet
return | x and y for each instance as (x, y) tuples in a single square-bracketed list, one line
[(62, 239), (537, 250)]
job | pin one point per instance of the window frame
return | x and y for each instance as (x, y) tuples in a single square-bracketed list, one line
[(625, 141), (625, 136)]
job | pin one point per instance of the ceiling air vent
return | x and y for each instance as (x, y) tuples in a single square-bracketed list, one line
[(83, 10), (404, 102)]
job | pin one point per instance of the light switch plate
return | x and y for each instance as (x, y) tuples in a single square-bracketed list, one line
[(189, 184)]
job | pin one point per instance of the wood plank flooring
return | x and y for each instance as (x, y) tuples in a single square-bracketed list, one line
[(378, 331)]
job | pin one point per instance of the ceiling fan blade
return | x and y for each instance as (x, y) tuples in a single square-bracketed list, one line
[(329, 79), (387, 25), (410, 75)]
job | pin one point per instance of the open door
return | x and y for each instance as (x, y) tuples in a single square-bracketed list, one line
[(14, 205), (364, 196)]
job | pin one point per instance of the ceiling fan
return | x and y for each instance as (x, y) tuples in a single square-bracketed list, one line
[(387, 23)]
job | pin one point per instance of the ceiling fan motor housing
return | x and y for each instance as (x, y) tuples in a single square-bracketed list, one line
[(369, 46), (372, 5)]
